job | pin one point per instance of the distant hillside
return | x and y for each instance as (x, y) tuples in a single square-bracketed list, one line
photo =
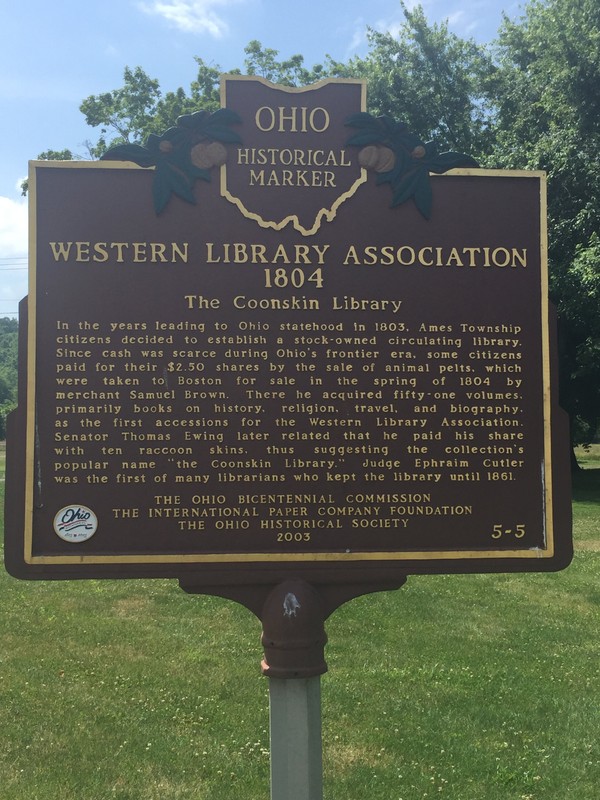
[(9, 329)]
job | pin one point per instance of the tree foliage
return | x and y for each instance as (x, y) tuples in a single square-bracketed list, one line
[(138, 109), (262, 62), (431, 79), (9, 329), (122, 113), (546, 91)]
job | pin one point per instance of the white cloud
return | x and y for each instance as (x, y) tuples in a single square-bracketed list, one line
[(393, 28), (192, 16), (358, 37), (456, 18), (477, 18), (13, 252), (13, 228)]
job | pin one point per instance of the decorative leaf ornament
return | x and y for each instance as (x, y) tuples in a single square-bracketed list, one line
[(182, 154), (401, 159)]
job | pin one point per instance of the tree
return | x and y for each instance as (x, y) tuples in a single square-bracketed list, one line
[(430, 79), (580, 305), (290, 72), (548, 118), (130, 114), (9, 329), (124, 112)]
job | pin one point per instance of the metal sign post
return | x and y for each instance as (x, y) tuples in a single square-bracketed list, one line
[(294, 638), (295, 733)]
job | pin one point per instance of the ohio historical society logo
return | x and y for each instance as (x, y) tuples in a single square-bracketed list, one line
[(75, 523)]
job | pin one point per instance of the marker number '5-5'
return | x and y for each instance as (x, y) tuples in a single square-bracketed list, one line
[(500, 530)]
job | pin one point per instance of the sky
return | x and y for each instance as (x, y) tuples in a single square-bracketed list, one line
[(53, 55)]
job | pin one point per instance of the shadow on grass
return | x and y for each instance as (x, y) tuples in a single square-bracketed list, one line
[(586, 485)]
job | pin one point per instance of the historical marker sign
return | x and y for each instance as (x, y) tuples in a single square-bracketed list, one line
[(277, 343)]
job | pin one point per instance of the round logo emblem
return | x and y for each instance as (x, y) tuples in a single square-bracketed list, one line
[(75, 523)]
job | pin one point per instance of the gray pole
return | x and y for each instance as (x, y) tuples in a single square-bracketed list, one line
[(294, 638), (296, 747)]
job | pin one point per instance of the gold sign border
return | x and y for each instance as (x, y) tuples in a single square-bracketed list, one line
[(315, 557)]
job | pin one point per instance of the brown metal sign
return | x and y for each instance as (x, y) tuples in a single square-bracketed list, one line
[(290, 369)]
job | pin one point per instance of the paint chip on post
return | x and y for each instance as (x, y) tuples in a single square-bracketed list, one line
[(290, 605)]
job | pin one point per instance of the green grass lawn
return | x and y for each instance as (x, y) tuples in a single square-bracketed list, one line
[(588, 457), (482, 687)]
